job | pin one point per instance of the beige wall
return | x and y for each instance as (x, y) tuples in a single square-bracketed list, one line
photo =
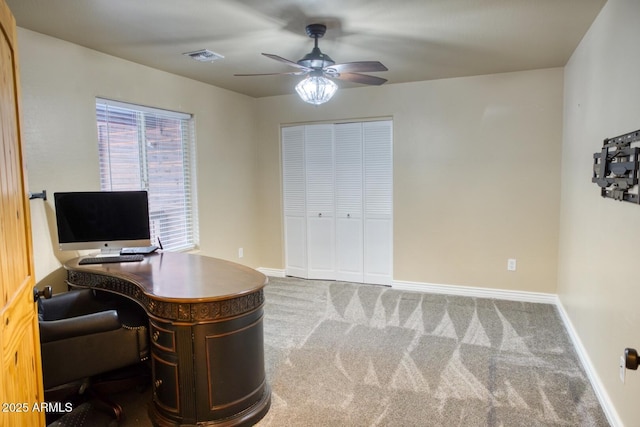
[(476, 175), (59, 84), (599, 281), (476, 161)]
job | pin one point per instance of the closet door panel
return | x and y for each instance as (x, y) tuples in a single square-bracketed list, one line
[(319, 157), (293, 173), (295, 229), (320, 201), (378, 202), (294, 201), (349, 250), (321, 248), (378, 251), (348, 153), (378, 169), (349, 186)]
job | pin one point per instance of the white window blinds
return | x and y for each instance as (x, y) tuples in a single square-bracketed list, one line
[(142, 148)]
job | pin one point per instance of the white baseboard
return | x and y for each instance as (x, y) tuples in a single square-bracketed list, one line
[(470, 291), (275, 272), (594, 378)]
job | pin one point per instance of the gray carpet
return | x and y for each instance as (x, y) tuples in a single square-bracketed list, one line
[(341, 354)]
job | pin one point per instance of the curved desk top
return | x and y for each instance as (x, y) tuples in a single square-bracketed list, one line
[(177, 286)]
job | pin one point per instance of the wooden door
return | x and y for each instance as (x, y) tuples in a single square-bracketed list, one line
[(21, 390)]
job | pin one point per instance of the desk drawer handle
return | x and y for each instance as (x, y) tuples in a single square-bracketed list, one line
[(156, 335), (158, 383)]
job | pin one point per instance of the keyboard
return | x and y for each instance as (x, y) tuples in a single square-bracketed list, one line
[(111, 259), (139, 250)]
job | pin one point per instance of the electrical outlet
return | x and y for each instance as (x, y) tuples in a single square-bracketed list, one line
[(623, 368), (240, 252), (511, 264)]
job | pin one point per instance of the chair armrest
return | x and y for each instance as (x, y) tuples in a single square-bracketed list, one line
[(70, 304), (94, 323)]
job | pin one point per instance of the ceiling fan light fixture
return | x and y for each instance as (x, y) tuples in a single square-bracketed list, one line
[(316, 90)]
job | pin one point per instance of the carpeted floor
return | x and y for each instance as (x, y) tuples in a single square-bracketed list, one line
[(342, 354)]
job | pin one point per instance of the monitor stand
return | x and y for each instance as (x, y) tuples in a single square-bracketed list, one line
[(104, 252)]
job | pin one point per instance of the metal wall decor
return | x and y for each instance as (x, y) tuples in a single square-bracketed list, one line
[(615, 167)]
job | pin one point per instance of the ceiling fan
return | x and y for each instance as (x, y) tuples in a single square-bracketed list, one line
[(319, 68)]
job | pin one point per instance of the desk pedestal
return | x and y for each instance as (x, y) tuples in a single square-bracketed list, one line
[(225, 384), (207, 351)]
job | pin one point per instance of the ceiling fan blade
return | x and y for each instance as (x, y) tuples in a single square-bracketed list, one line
[(286, 61), (358, 67), (360, 78)]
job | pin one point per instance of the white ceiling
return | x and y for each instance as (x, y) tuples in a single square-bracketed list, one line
[(416, 39)]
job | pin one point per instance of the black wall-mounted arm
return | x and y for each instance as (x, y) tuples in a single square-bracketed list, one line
[(42, 195)]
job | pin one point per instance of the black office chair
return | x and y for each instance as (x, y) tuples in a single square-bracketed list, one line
[(85, 334)]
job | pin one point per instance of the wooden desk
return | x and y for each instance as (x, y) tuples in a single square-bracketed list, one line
[(207, 351)]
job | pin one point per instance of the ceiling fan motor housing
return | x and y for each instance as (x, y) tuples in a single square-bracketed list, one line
[(316, 31), (316, 59)]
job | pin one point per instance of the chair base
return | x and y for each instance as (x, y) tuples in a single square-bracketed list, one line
[(85, 415), (90, 396)]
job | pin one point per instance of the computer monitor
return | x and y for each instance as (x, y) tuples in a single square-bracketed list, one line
[(104, 220)]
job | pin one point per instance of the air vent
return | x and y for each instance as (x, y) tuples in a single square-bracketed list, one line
[(204, 55)]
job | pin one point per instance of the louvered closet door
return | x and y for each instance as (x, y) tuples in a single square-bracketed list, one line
[(294, 201), (378, 202), (319, 158), (349, 220)]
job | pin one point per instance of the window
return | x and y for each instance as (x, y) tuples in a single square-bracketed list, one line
[(142, 148)]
